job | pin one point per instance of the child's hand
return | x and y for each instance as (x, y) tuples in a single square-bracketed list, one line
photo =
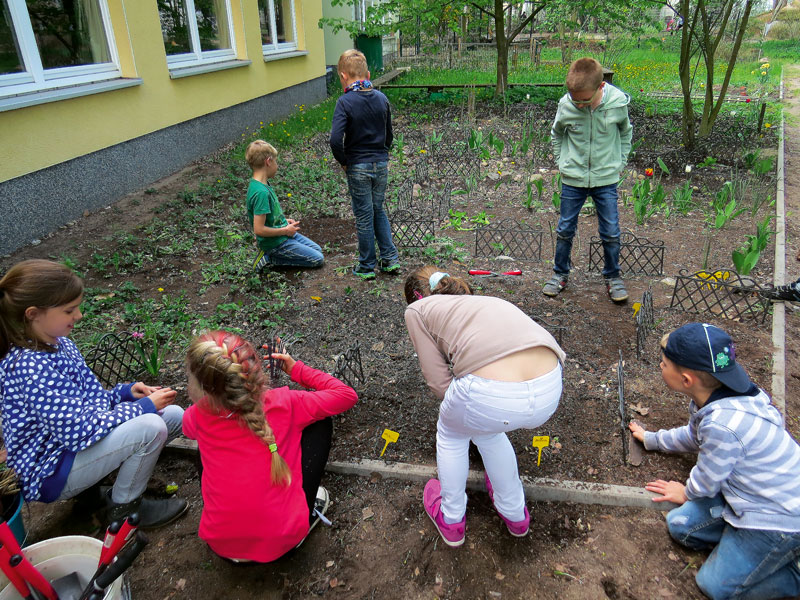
[(292, 228), (287, 363), (637, 430), (162, 397), (671, 491), (140, 389)]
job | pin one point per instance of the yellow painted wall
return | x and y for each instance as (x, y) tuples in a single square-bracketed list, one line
[(40, 136)]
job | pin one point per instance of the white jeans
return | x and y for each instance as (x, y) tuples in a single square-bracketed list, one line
[(133, 446), (482, 410)]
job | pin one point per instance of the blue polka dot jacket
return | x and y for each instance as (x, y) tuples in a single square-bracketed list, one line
[(53, 407)]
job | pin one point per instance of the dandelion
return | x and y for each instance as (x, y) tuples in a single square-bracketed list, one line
[(688, 169), (160, 289), (763, 72), (422, 151), (752, 72), (289, 195), (765, 66), (767, 125), (648, 172)]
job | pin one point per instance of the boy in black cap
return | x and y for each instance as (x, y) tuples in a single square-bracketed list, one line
[(742, 497)]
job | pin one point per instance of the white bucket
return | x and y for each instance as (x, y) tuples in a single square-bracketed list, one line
[(61, 556)]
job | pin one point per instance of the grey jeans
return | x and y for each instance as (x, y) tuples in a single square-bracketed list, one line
[(134, 447)]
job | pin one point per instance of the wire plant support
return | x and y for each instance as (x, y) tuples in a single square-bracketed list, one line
[(637, 256), (348, 367), (555, 325), (508, 237), (720, 293), (622, 412), (115, 359), (645, 322)]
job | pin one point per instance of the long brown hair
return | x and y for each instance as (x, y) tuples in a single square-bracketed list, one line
[(42, 284), (229, 370), (418, 284)]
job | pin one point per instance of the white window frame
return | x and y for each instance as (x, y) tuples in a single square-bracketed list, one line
[(36, 78), (278, 47), (199, 56)]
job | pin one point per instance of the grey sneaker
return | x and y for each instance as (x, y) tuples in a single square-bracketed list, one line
[(616, 289), (321, 504), (555, 285)]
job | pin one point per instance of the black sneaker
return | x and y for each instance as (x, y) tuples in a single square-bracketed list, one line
[(789, 292), (152, 513), (391, 268)]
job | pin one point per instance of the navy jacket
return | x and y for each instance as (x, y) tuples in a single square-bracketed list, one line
[(361, 130)]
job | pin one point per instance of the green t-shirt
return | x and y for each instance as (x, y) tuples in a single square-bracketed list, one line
[(261, 200)]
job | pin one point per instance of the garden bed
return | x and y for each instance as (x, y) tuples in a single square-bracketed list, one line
[(177, 256)]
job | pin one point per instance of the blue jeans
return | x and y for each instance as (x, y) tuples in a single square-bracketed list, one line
[(745, 563), (572, 200), (367, 184), (297, 251)]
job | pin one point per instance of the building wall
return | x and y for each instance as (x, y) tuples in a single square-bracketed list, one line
[(336, 43), (60, 158)]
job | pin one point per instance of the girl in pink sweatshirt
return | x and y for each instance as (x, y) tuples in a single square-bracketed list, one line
[(263, 450)]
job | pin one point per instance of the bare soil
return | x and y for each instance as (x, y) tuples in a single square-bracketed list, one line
[(381, 543)]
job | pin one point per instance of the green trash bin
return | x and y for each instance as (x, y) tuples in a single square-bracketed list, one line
[(372, 47)]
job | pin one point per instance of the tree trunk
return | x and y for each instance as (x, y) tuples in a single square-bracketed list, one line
[(684, 68), (502, 48)]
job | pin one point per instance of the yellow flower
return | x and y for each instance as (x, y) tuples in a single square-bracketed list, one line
[(767, 125), (317, 298), (422, 151), (160, 289), (289, 195), (763, 72), (765, 66), (752, 72)]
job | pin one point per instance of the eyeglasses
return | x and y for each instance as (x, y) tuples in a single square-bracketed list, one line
[(585, 102)]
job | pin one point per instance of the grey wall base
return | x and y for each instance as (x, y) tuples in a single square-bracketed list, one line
[(37, 203)]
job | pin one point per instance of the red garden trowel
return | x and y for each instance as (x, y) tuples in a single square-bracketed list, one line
[(484, 273)]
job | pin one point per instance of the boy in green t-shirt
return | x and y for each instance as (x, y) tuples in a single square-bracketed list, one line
[(278, 240)]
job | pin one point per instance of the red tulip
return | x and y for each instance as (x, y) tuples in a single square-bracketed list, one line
[(648, 172), (748, 100)]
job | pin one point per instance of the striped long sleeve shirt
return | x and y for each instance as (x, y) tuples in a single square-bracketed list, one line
[(744, 453)]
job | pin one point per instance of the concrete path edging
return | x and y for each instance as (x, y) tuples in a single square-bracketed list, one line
[(779, 275), (537, 489)]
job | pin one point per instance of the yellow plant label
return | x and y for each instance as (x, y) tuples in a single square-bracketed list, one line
[(636, 307), (540, 441), (390, 437)]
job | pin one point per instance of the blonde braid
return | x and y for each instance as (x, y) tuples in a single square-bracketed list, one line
[(229, 371)]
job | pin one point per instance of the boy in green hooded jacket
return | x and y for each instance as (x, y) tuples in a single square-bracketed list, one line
[(591, 139)]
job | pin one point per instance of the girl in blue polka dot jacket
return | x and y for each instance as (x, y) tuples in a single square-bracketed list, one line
[(63, 431)]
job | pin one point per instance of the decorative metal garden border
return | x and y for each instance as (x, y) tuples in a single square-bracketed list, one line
[(721, 293), (115, 359), (645, 321), (510, 238), (637, 255), (348, 367), (555, 325), (453, 164), (411, 230)]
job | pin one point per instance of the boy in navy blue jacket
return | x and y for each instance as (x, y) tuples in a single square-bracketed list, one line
[(742, 497), (361, 135)]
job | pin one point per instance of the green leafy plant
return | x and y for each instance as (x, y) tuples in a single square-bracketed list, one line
[(556, 199), (747, 255), (662, 166), (708, 161), (724, 206), (475, 143), (648, 201), (682, 198), (152, 359)]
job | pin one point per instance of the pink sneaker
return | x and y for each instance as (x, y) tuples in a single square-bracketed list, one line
[(515, 528), (453, 535)]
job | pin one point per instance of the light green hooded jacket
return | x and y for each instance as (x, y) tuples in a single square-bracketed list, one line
[(591, 146)]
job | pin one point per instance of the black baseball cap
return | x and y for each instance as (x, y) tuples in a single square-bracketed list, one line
[(707, 348)]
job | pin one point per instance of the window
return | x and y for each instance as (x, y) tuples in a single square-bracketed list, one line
[(278, 31), (196, 31), (46, 44)]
